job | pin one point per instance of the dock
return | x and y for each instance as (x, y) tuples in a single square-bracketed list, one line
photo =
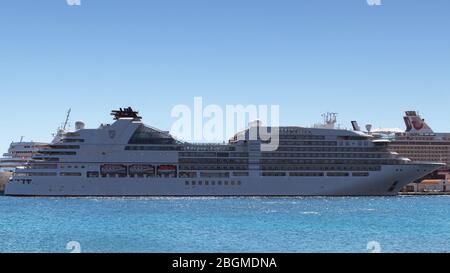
[(424, 193)]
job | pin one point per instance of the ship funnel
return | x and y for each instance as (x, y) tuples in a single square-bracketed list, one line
[(415, 124), (355, 126)]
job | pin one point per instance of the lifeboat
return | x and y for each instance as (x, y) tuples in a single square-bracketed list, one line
[(167, 170)]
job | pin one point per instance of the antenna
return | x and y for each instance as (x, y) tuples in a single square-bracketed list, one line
[(67, 119)]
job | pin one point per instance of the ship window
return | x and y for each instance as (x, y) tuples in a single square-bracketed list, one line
[(93, 174), (273, 174), (306, 174), (240, 174), (337, 174), (146, 135), (70, 174), (36, 174), (70, 140), (45, 152), (361, 174), (61, 147)]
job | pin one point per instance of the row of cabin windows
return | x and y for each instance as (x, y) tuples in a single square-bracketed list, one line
[(420, 143), (331, 161), (314, 137), (62, 147), (213, 160), (211, 175), (45, 152), (181, 175), (53, 166), (321, 168), (357, 143), (214, 167), (308, 143), (41, 166), (209, 148), (422, 148), (212, 154), (46, 159), (152, 148), (328, 155), (330, 149), (23, 181), (315, 174), (198, 148), (49, 174), (37, 174), (71, 140), (213, 183)]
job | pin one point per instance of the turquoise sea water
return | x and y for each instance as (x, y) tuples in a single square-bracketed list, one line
[(396, 224)]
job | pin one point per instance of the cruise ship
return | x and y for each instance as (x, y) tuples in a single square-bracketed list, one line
[(129, 158), (420, 142), (19, 153)]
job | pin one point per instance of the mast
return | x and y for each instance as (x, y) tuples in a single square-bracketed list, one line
[(67, 119)]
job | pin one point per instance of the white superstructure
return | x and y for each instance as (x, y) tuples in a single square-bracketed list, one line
[(128, 158)]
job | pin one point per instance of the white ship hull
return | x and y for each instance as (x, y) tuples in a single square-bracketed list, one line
[(381, 183)]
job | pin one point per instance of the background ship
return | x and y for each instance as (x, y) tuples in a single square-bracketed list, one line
[(419, 143), (19, 153)]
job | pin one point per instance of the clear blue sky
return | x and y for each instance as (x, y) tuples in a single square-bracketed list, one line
[(366, 63)]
